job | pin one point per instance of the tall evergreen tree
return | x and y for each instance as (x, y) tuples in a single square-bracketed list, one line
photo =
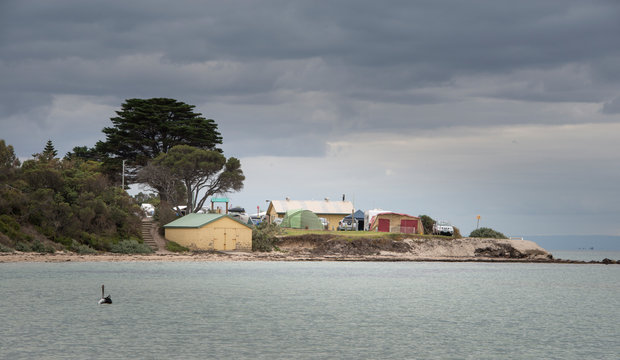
[(49, 150), (145, 128), (48, 153)]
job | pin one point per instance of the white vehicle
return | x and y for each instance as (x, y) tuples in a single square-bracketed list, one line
[(443, 228), (324, 222), (148, 209), (346, 224)]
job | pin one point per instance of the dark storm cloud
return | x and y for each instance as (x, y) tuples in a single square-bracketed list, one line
[(355, 54), (422, 93)]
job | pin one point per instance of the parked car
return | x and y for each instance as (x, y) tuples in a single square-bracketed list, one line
[(443, 228), (244, 218), (347, 224), (324, 222)]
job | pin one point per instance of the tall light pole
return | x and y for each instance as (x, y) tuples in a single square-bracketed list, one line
[(123, 176)]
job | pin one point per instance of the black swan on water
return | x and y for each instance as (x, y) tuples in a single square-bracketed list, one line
[(104, 299)]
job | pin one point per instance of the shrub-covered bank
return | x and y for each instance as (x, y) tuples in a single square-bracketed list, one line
[(50, 204)]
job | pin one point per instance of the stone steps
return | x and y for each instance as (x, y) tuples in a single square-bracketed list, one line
[(147, 236)]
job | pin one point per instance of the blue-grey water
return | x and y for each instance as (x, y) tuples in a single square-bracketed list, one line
[(322, 310), (586, 255)]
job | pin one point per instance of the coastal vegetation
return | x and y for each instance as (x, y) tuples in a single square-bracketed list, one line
[(195, 173), (427, 223), (485, 232), (175, 247), (265, 237), (48, 204), (130, 247), (78, 202), (145, 128)]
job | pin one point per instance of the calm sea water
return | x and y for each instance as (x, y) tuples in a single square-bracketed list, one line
[(325, 310), (585, 255)]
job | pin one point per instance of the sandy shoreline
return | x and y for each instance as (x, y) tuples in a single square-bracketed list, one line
[(313, 248), (60, 257)]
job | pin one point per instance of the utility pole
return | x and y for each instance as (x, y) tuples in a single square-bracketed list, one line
[(123, 177)]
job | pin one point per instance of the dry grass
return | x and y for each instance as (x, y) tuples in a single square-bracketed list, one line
[(359, 234), (297, 232)]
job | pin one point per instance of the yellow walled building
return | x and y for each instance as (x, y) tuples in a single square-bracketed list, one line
[(209, 232), (332, 211)]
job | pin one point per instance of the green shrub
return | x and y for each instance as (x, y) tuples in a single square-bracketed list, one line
[(38, 246), (7, 223), (175, 247), (130, 247), (11, 228), (97, 242), (66, 241), (484, 232), (82, 248), (264, 237), (6, 249), (23, 246)]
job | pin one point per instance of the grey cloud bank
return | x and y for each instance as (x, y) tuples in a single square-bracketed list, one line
[(500, 108)]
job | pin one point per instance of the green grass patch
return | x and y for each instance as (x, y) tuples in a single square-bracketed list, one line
[(352, 235), (175, 247)]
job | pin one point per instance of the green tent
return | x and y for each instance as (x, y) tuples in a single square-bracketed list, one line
[(301, 219)]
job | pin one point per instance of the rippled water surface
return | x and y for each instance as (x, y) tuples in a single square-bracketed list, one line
[(284, 310)]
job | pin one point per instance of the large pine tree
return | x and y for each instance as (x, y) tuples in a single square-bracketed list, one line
[(145, 128)]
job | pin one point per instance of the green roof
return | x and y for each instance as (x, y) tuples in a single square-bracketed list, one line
[(197, 220)]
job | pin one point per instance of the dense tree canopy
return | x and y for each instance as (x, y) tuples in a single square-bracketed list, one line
[(71, 203), (202, 173), (144, 129), (83, 153), (8, 161)]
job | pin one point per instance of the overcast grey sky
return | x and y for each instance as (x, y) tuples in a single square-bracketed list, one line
[(505, 109)]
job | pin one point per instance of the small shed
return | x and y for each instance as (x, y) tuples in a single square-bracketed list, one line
[(210, 232), (301, 219), (396, 223)]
